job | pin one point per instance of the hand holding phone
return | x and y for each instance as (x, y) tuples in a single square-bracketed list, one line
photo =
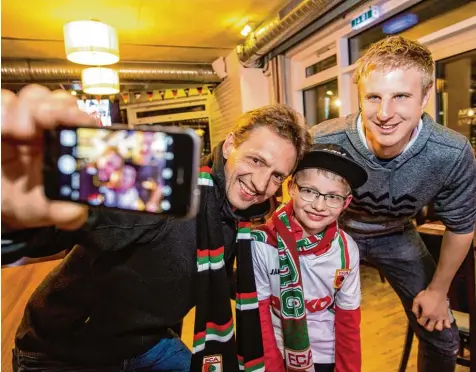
[(146, 170), (24, 118)]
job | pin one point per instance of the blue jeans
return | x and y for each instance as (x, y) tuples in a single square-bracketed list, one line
[(329, 367), (169, 355), (408, 266)]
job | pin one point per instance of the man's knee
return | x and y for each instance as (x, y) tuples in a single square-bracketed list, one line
[(442, 343)]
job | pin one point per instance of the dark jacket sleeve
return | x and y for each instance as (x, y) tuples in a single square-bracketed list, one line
[(104, 230)]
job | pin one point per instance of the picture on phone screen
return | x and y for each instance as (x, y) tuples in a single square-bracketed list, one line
[(124, 169)]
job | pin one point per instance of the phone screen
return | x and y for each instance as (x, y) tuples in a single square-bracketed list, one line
[(125, 169)]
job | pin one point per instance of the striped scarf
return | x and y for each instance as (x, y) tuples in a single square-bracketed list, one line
[(214, 346), (279, 233)]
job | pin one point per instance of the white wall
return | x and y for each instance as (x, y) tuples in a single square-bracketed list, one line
[(242, 90), (225, 104), (254, 89)]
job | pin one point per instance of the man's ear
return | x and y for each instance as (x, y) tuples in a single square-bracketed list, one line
[(228, 145), (291, 187), (347, 201), (426, 97)]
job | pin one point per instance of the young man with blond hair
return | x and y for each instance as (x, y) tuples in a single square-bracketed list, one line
[(110, 304), (412, 161)]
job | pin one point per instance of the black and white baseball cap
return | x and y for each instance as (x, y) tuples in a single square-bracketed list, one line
[(335, 159)]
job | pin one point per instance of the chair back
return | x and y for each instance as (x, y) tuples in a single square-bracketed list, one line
[(462, 293)]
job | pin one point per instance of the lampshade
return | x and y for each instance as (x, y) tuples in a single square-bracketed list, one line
[(100, 81), (91, 43)]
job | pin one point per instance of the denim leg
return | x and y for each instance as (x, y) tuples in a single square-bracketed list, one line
[(23, 361), (409, 268), (330, 367), (170, 355)]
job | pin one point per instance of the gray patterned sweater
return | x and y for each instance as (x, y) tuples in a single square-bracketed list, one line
[(439, 167)]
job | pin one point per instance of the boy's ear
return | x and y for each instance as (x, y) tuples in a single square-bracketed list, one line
[(347, 201), (228, 145)]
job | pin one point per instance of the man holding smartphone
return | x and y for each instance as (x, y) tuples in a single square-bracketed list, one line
[(109, 305), (411, 162)]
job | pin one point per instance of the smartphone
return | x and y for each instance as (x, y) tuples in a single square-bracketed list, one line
[(142, 170)]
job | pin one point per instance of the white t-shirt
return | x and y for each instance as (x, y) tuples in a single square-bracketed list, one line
[(318, 277)]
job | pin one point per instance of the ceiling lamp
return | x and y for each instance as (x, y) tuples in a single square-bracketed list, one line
[(100, 81), (91, 43), (246, 30)]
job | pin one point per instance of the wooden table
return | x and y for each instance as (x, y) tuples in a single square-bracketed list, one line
[(18, 283), (437, 228)]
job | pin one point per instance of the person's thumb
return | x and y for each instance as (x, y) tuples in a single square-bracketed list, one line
[(68, 216), (416, 309)]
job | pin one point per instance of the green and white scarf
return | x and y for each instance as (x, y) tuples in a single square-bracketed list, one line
[(214, 346)]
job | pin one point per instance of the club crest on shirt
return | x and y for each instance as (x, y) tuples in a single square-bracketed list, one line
[(340, 276), (212, 363), (299, 360)]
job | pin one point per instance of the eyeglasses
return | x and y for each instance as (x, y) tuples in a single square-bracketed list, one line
[(310, 195)]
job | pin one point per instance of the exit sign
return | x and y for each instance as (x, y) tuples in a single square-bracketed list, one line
[(365, 18)]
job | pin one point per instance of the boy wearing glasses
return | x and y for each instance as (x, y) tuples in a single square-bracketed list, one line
[(307, 270)]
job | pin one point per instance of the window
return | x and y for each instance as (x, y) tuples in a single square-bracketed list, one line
[(456, 94), (321, 103), (321, 65), (422, 19)]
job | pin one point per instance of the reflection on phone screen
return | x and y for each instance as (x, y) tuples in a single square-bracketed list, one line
[(121, 169)]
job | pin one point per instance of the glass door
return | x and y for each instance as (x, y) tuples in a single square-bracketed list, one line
[(456, 93)]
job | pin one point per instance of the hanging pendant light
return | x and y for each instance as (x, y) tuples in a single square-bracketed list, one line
[(91, 43), (100, 81)]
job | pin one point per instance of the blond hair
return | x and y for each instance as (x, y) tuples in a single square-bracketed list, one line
[(282, 119), (397, 52)]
